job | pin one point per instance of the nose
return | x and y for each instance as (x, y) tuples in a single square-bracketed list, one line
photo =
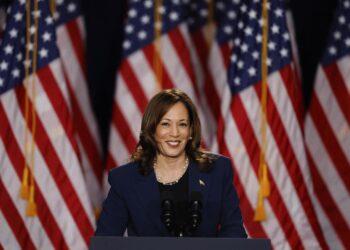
[(174, 130)]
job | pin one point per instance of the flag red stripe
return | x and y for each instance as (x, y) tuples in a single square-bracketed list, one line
[(330, 141), (85, 136), (254, 228), (183, 53), (16, 157), (336, 82), (328, 204), (14, 220), (290, 160), (57, 170), (294, 90), (209, 88), (77, 42), (124, 129), (253, 149), (57, 100), (134, 86), (149, 52)]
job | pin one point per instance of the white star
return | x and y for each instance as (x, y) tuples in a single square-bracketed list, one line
[(22, 2), (132, 13), (142, 35), (32, 30), (48, 20), (236, 1), (71, 7), (56, 15), (252, 71), (261, 22), (46, 36), (220, 5), (275, 29), (30, 46), (346, 4), (347, 42), (271, 45), (27, 63), (337, 35), (248, 31), (19, 57), (240, 25), (145, 19), (126, 44), (13, 33), (162, 10), (286, 36), (148, 4), (244, 8), (43, 53), (255, 55), (237, 81), (174, 16), (278, 13), (3, 65), (1, 82), (59, 2), (204, 12), (237, 41), (244, 47), (176, 2), (252, 14), (36, 14), (284, 52), (228, 29), (129, 28), (332, 50), (8, 49), (341, 19), (234, 58), (268, 61), (231, 15), (240, 64), (18, 16), (258, 38), (15, 73)]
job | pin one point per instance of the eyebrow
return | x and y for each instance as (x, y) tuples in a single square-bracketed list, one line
[(167, 119)]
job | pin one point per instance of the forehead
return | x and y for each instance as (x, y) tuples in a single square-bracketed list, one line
[(177, 111)]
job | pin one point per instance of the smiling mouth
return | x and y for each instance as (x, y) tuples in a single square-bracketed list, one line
[(173, 143)]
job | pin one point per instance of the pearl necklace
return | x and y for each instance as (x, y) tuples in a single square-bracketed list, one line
[(159, 177)]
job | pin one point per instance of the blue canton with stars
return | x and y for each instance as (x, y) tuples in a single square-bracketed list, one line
[(245, 62), (13, 47), (339, 40), (139, 28)]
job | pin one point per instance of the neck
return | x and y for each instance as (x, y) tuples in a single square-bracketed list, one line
[(170, 163)]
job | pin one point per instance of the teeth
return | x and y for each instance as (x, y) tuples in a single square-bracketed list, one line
[(173, 143)]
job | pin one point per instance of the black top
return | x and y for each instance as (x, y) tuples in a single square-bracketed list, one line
[(179, 193)]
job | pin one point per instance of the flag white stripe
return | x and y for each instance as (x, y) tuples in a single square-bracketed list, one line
[(7, 238), (46, 183), (119, 152), (344, 68), (278, 170), (326, 169), (333, 113)]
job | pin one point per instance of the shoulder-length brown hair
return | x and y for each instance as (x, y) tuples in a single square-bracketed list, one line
[(158, 106)]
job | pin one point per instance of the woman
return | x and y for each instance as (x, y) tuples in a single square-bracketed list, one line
[(171, 187)]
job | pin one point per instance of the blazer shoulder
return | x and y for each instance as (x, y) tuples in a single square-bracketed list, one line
[(123, 173)]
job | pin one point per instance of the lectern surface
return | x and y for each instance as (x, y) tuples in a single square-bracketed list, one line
[(164, 243)]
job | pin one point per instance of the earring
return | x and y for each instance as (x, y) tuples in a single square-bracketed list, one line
[(190, 138)]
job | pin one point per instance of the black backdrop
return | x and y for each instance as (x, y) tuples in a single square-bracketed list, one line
[(104, 25)]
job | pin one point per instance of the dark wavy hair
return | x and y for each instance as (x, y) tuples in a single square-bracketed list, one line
[(157, 107)]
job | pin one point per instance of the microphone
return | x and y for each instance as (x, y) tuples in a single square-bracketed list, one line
[(195, 214), (167, 214)]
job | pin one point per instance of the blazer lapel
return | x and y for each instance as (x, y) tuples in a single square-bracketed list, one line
[(149, 197), (198, 182)]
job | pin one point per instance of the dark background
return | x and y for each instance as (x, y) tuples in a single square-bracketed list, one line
[(104, 27)]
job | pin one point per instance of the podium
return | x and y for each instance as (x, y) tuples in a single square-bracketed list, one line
[(167, 243)]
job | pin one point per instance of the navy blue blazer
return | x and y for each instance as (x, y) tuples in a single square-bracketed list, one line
[(133, 202)]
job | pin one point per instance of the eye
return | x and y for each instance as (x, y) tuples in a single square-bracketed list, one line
[(184, 124), (165, 124)]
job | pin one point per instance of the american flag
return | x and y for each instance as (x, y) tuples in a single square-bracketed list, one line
[(219, 67), (327, 132), (64, 217), (70, 42)]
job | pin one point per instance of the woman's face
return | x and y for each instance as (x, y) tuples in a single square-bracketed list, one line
[(173, 132)]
